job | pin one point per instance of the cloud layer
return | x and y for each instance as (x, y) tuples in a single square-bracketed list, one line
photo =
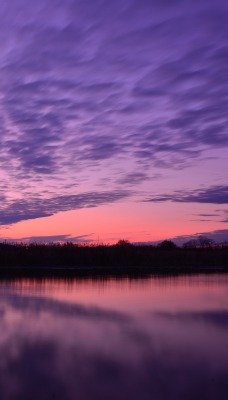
[(212, 195), (20, 210), (98, 94)]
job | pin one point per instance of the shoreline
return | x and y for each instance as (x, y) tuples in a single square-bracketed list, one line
[(105, 272), (122, 260)]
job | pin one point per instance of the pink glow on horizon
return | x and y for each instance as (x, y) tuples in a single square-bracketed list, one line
[(136, 222)]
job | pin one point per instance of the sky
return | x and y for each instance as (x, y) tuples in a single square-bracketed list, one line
[(113, 120)]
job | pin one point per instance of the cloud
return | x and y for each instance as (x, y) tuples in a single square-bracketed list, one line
[(219, 216), (53, 239), (68, 81), (208, 215), (219, 236), (23, 209), (133, 178), (212, 195)]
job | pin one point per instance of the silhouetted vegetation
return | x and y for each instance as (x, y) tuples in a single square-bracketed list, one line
[(123, 242), (70, 258), (201, 241), (167, 245)]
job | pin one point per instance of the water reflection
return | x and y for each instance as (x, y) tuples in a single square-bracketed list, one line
[(114, 339)]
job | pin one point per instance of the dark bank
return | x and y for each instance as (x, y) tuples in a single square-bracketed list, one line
[(120, 259)]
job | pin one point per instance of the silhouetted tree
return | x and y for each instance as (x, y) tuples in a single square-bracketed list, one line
[(201, 241), (191, 244), (167, 245), (204, 241), (123, 242)]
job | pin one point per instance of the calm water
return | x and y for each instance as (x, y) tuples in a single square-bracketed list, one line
[(155, 338)]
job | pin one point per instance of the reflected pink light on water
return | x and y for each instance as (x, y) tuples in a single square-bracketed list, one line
[(157, 294), (147, 338)]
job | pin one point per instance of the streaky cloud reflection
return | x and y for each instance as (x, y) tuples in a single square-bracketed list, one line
[(115, 339), (55, 307), (215, 318)]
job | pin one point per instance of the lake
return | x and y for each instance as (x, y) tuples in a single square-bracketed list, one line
[(114, 339)]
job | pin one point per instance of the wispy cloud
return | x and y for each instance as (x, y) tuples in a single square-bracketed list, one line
[(219, 236), (212, 195), (20, 210), (94, 100), (52, 239)]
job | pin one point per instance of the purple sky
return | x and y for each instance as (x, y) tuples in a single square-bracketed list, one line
[(115, 107)]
